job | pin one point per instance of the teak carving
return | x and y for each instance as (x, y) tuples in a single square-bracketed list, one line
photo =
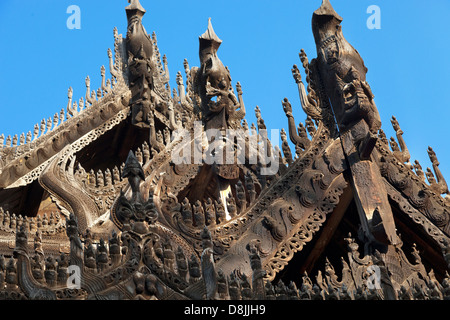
[(347, 215), (220, 107)]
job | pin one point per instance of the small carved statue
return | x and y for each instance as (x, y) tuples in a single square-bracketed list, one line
[(219, 104)]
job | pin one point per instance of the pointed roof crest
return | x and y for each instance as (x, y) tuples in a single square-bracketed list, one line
[(326, 9), (209, 42), (210, 34)]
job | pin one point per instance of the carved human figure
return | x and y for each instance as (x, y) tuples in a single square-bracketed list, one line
[(11, 274), (194, 269), (50, 271), (343, 72), (63, 264), (102, 255)]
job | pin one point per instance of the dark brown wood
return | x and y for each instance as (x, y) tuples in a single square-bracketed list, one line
[(94, 206), (329, 230)]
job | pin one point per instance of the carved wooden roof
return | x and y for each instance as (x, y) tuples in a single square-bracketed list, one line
[(97, 189)]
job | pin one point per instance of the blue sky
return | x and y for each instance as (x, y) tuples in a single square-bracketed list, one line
[(407, 58)]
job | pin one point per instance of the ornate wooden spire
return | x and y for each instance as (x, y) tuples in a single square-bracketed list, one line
[(141, 67), (343, 73), (210, 35), (214, 80)]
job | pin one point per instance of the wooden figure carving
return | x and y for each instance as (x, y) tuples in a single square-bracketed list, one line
[(220, 107), (136, 213), (343, 72)]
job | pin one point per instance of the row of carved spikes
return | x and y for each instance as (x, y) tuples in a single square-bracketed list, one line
[(110, 177), (323, 291), (162, 67), (10, 222), (437, 181), (309, 128), (113, 176), (48, 271), (302, 131), (211, 213), (104, 178), (50, 124), (291, 292), (185, 95), (101, 256), (52, 271)]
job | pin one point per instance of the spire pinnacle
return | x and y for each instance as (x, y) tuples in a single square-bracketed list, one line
[(135, 5), (209, 42), (326, 9), (210, 35)]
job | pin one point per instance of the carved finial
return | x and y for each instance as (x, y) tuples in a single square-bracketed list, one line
[(285, 147), (440, 186), (8, 141), (15, 140), (55, 120), (81, 103), (433, 157), (419, 170), (135, 6), (22, 139), (28, 139), (327, 10), (211, 36), (401, 153), (112, 67), (88, 97)]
